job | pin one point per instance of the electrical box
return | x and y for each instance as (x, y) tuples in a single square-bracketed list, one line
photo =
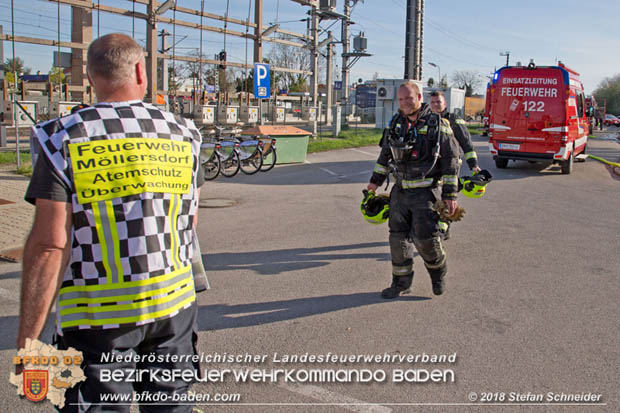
[(23, 119), (385, 92), (360, 43), (228, 114), (204, 115), (249, 114), (278, 114), (60, 109), (308, 113), (329, 5)]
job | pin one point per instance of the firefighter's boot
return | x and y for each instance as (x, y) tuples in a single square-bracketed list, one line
[(400, 285), (438, 279)]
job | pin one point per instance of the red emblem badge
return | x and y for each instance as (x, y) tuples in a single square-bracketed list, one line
[(35, 384)]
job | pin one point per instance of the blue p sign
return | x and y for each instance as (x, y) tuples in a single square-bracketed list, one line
[(262, 81)]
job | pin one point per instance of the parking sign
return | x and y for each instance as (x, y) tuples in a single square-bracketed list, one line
[(262, 81)]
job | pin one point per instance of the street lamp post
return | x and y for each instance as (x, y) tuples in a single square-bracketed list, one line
[(438, 70), (507, 54)]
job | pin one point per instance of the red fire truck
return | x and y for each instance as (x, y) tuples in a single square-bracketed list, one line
[(537, 114)]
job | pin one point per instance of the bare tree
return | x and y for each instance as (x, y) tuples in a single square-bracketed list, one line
[(468, 80), (291, 57)]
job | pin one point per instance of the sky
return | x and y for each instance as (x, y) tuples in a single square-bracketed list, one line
[(458, 35)]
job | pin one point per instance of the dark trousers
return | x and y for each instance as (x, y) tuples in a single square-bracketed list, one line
[(413, 221), (173, 336)]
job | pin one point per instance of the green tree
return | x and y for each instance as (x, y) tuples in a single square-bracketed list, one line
[(19, 69), (608, 92), (430, 82), (57, 75)]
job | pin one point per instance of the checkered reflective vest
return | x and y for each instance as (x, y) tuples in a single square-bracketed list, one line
[(132, 171)]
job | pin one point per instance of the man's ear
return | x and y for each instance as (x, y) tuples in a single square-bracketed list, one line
[(140, 73)]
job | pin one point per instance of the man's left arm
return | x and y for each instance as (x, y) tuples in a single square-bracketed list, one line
[(449, 158), (46, 255), (462, 135)]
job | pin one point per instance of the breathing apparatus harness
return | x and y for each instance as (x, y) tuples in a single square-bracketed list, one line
[(406, 145)]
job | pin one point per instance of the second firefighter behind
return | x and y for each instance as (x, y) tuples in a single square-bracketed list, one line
[(463, 137), (418, 148)]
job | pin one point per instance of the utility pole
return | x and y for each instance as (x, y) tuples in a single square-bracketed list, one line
[(345, 59), (329, 81), (414, 41), (151, 48), (315, 64), (81, 32), (258, 30)]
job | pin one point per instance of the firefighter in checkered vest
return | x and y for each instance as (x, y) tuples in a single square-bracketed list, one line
[(116, 189)]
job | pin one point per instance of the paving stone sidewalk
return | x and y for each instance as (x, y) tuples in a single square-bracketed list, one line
[(15, 217)]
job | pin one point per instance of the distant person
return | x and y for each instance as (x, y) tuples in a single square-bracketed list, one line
[(463, 137), (599, 115), (116, 190)]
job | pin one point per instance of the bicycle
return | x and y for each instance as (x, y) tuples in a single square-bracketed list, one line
[(270, 155), (209, 160), (250, 155)]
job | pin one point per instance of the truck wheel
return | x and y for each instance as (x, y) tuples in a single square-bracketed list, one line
[(501, 163), (567, 166)]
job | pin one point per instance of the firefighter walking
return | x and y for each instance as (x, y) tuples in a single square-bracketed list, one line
[(419, 149)]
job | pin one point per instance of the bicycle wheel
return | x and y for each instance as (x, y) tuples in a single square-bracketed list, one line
[(269, 155), (229, 159), (212, 168), (209, 160), (251, 157)]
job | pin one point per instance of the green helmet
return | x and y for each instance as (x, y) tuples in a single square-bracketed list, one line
[(475, 186), (375, 208)]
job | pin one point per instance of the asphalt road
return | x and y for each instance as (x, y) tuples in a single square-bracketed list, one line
[(531, 308)]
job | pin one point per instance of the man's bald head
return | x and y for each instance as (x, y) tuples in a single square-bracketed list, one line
[(113, 58)]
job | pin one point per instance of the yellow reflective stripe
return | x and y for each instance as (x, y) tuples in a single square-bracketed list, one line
[(449, 179), (120, 298), (129, 284), (418, 183), (102, 243), (132, 319), (173, 215), (423, 129), (380, 169), (446, 129), (460, 121), (471, 155), (128, 306), (116, 249), (443, 225), (400, 270)]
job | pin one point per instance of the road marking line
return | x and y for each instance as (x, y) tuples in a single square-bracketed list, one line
[(332, 173), (364, 152), (327, 396)]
